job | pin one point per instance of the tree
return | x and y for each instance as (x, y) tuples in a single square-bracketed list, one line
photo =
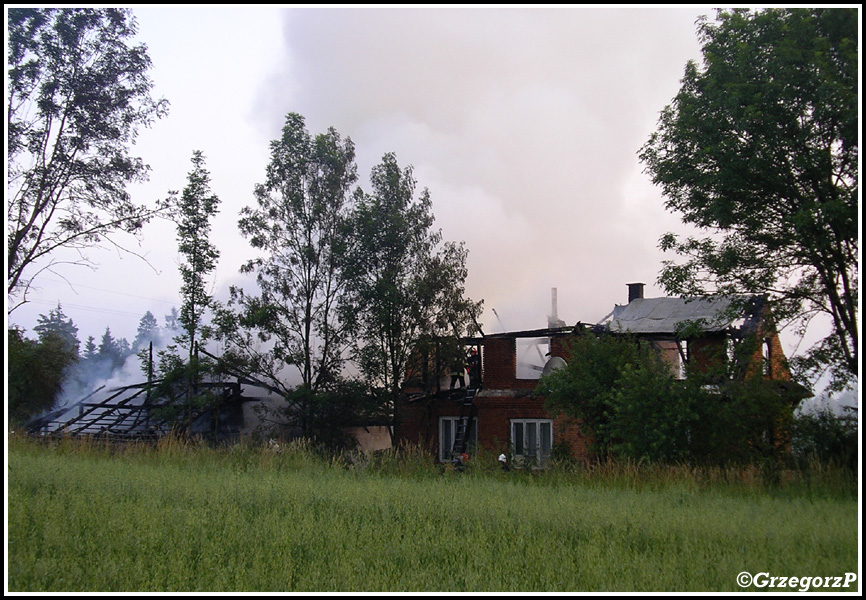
[(405, 286), (586, 388), (77, 94), (827, 437), (197, 205), (299, 227), (626, 400), (36, 371), (178, 379), (148, 331), (109, 351), (90, 350), (759, 151), (57, 324)]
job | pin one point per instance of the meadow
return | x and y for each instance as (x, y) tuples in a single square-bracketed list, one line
[(186, 517)]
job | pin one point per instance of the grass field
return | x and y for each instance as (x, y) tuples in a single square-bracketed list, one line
[(190, 518)]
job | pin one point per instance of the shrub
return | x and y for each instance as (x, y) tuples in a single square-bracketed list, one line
[(825, 436)]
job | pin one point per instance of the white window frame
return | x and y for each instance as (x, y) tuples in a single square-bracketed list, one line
[(520, 430), (445, 449)]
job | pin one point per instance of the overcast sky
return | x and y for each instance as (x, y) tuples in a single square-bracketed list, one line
[(524, 124)]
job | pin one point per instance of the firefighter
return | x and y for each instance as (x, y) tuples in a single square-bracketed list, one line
[(474, 369), (457, 370)]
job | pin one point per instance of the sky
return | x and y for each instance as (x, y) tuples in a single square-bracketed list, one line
[(524, 124)]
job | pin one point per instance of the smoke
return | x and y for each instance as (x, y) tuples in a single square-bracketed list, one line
[(523, 124), (86, 376), (99, 379)]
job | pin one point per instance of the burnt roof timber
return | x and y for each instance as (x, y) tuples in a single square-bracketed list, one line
[(530, 333)]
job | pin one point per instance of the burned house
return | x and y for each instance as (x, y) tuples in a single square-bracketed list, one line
[(501, 414), (703, 333)]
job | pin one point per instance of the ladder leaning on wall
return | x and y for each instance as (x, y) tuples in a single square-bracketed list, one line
[(463, 430)]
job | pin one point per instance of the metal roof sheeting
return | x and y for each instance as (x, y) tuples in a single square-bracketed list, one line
[(663, 315)]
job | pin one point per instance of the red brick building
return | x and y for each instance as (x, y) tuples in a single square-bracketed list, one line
[(507, 418)]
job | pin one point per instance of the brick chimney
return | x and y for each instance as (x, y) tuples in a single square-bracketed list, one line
[(635, 291)]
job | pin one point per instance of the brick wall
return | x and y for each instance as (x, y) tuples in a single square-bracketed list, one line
[(503, 398), (419, 422), (499, 360)]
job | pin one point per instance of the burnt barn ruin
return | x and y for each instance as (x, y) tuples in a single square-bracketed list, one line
[(217, 410), (238, 404)]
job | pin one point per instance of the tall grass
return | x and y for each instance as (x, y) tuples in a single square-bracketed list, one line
[(181, 516)]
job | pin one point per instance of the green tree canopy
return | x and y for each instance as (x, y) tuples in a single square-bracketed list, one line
[(36, 370), (148, 331), (179, 380), (626, 400), (90, 350), (61, 327), (193, 212), (759, 151), (110, 351), (299, 228), (404, 285), (77, 93)]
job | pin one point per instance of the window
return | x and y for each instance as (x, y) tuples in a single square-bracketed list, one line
[(447, 428), (532, 355), (531, 440)]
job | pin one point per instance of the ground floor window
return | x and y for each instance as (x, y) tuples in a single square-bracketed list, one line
[(531, 440), (447, 431)]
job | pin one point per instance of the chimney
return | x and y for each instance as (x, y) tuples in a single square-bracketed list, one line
[(553, 320), (635, 291)]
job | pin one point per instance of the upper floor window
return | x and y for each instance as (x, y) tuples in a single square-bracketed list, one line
[(532, 355)]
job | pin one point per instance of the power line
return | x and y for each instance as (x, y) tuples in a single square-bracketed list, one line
[(73, 286), (107, 311)]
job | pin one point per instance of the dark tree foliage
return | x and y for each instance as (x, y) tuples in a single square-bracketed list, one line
[(627, 401), (77, 93), (193, 211), (98, 362), (61, 327), (148, 331), (110, 351), (35, 372), (827, 437), (405, 286), (326, 416), (759, 151), (587, 388), (90, 349)]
